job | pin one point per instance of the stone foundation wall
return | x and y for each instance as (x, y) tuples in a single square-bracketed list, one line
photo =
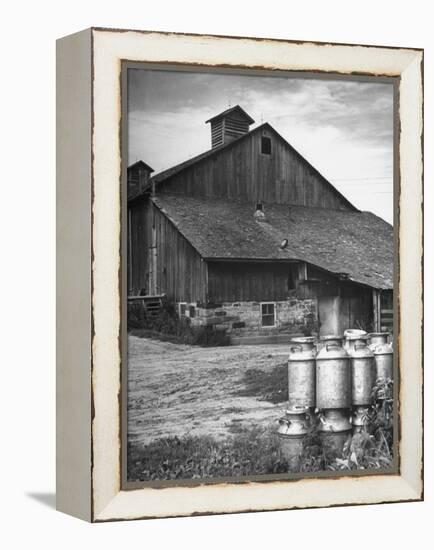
[(292, 316)]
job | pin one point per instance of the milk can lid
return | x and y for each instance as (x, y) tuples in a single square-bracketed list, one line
[(354, 336), (303, 340), (328, 337), (353, 332)]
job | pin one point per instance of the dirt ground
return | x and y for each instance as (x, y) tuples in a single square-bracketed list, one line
[(175, 390)]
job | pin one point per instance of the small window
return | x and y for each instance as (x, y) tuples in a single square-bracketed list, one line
[(268, 314), (265, 145), (182, 306)]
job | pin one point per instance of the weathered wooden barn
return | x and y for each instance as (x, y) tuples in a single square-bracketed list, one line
[(249, 236)]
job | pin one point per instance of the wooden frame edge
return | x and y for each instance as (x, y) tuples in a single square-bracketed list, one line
[(412, 486)]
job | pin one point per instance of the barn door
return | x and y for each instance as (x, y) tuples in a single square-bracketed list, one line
[(153, 283), (328, 315)]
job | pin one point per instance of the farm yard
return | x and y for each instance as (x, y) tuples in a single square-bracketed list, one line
[(198, 412), (201, 412), (175, 389)]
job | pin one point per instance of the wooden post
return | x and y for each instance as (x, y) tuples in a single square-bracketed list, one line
[(302, 271)]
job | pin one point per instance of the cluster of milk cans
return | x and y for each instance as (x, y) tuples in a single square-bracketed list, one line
[(331, 381)]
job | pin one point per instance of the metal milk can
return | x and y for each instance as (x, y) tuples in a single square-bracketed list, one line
[(383, 355), (351, 333), (302, 372), (292, 430), (334, 429), (362, 370), (376, 338), (333, 375)]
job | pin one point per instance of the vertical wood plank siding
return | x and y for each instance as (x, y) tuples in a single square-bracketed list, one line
[(386, 310), (356, 307), (181, 272), (242, 172), (232, 282)]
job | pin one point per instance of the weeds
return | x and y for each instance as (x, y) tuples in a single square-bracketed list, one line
[(363, 450), (255, 451)]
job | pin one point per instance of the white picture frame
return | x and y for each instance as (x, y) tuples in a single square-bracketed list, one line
[(89, 313)]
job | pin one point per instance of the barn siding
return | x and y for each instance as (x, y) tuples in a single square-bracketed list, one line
[(354, 301), (138, 246), (232, 282), (181, 272), (242, 172)]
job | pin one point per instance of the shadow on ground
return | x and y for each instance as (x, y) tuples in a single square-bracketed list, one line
[(46, 499)]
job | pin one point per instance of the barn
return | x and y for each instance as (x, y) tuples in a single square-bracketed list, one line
[(250, 237)]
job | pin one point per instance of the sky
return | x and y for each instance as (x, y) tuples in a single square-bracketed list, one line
[(343, 128)]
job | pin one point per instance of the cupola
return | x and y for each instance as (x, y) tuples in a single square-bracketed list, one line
[(229, 125)]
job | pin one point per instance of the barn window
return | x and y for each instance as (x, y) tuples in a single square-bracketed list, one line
[(268, 314), (265, 145), (182, 306)]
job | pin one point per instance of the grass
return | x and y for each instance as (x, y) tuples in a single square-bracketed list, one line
[(269, 386), (148, 333), (256, 451), (247, 453)]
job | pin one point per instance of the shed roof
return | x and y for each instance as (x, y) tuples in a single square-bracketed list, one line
[(358, 244)]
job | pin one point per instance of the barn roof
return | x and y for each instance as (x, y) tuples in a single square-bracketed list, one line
[(174, 170), (358, 245)]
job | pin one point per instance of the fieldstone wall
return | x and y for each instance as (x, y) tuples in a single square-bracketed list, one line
[(293, 316)]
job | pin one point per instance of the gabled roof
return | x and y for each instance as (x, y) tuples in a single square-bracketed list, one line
[(140, 164), (231, 110), (174, 170), (358, 244)]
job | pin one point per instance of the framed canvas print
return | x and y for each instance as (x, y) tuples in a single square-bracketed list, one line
[(239, 282)]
